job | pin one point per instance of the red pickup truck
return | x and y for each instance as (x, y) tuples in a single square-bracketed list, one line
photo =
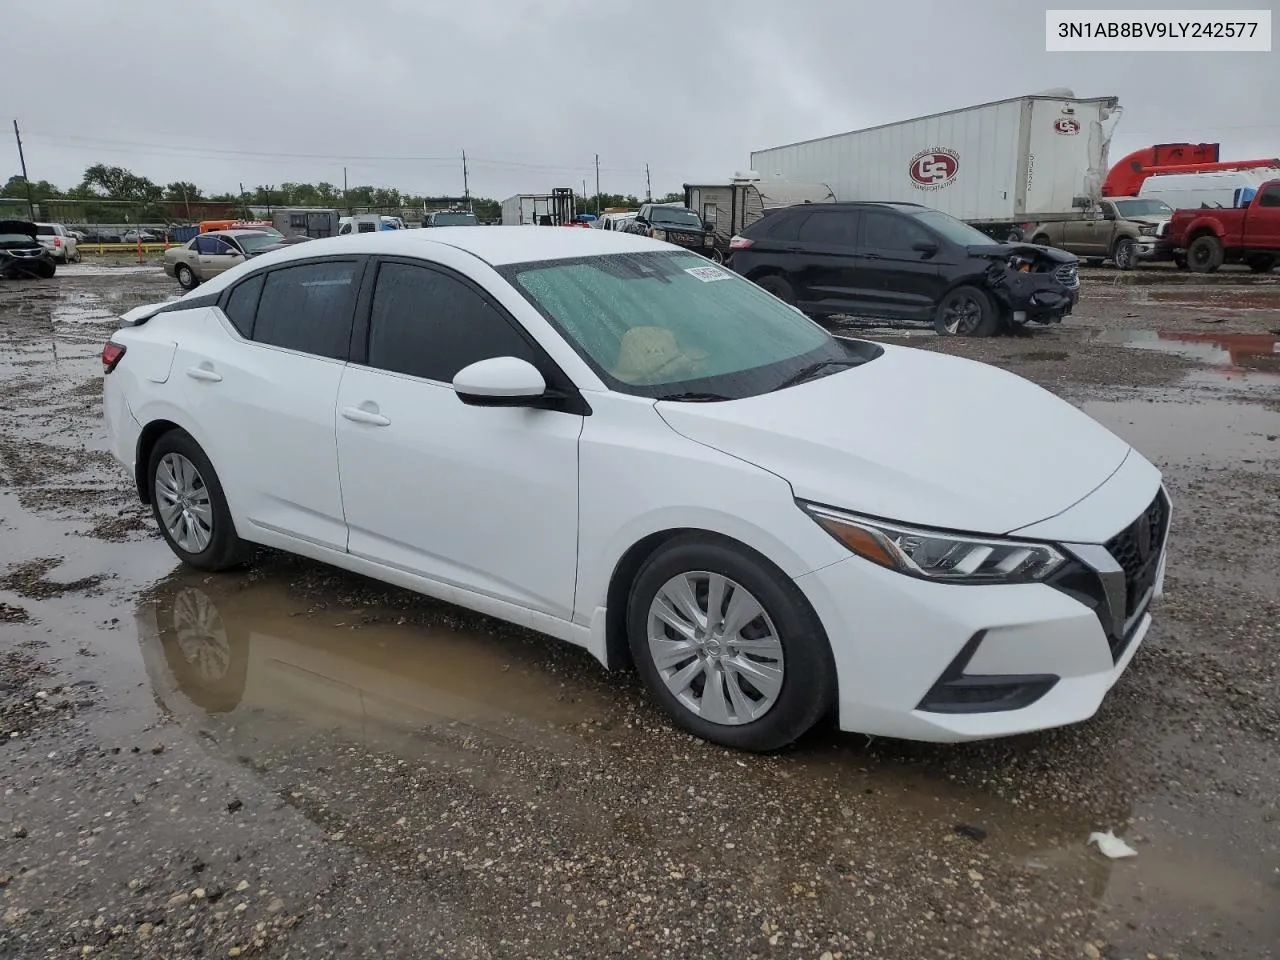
[(1209, 237)]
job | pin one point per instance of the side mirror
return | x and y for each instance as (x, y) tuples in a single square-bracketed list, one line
[(641, 221), (927, 247), (499, 382)]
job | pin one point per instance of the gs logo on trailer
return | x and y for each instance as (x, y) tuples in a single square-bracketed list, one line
[(934, 168), (1067, 126)]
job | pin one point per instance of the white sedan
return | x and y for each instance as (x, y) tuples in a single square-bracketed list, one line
[(609, 440)]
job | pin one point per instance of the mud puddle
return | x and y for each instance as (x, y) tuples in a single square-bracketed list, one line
[(220, 646), (1239, 352)]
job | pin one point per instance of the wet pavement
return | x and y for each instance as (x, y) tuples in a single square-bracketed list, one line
[(292, 761)]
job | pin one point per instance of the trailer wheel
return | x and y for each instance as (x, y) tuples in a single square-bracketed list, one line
[(1015, 235), (966, 312), (1205, 254), (1262, 263), (779, 287)]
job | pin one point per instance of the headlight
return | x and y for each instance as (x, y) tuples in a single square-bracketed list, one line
[(937, 555), (1147, 230), (658, 234)]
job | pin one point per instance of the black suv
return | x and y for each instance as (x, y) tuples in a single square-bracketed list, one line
[(904, 261)]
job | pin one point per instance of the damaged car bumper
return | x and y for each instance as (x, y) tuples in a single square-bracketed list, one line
[(1037, 284)]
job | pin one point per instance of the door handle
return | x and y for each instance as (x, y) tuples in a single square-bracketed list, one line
[(361, 415), (795, 249), (871, 256), (204, 372)]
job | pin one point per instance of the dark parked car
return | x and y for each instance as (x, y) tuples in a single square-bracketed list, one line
[(21, 255), (450, 218), (903, 261), (675, 224)]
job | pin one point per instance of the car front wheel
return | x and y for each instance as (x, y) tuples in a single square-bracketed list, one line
[(728, 645), (190, 507), (966, 312), (1123, 256), (186, 277)]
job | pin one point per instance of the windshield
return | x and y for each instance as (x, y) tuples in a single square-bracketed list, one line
[(664, 324), (676, 216), (1143, 208), (253, 242), (454, 220), (957, 231), (13, 239)]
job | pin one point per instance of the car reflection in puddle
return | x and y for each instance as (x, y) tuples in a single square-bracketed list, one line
[(1241, 352), (240, 649)]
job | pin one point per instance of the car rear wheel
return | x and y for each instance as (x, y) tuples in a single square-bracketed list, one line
[(1122, 256), (966, 312), (779, 287), (728, 645), (1040, 240), (190, 507), (1263, 263), (186, 277), (1205, 254)]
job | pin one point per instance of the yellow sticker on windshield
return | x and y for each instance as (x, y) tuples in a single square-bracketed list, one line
[(707, 274)]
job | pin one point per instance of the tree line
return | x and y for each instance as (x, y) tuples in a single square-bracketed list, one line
[(119, 184)]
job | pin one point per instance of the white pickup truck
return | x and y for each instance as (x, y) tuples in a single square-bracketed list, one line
[(59, 241)]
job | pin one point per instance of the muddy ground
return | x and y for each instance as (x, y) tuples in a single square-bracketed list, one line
[(290, 761)]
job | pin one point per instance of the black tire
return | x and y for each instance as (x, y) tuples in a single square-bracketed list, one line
[(207, 653), (1180, 261), (1122, 255), (966, 312), (186, 277), (1040, 240), (1262, 263), (779, 287), (224, 549), (46, 271), (717, 255), (808, 690), (1015, 235), (1205, 255)]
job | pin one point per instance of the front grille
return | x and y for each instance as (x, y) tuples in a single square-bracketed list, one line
[(1067, 275), (685, 239), (1137, 549)]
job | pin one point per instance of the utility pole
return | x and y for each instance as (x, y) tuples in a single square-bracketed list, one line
[(346, 200), (466, 190), (597, 184), (648, 185), (244, 204), (31, 207)]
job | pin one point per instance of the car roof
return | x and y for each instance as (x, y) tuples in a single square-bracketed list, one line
[(494, 245), (235, 233)]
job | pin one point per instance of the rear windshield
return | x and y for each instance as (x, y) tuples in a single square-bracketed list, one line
[(454, 220), (46, 230)]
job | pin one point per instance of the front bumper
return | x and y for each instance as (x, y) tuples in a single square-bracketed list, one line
[(1041, 296), (922, 660)]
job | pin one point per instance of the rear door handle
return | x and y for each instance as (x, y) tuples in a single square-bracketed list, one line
[(362, 415), (871, 256), (204, 372)]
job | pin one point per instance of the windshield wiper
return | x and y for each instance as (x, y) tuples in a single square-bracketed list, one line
[(693, 397), (805, 373)]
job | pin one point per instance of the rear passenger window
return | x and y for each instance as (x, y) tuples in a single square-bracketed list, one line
[(887, 231), (829, 226), (427, 324), (1270, 197), (241, 305), (308, 308)]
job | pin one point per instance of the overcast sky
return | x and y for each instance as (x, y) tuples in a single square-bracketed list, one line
[(228, 92)]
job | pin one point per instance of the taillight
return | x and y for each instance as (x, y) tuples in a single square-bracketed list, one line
[(57, 242), (112, 354), (739, 243)]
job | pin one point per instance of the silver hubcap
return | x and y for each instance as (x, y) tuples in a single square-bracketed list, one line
[(715, 648), (183, 499), (200, 635)]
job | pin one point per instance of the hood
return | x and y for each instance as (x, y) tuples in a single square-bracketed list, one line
[(24, 227), (1154, 219), (1003, 251), (917, 437)]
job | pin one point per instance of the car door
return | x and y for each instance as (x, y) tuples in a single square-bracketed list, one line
[(1262, 221), (823, 261), (214, 255), (260, 378), (484, 499), (896, 279)]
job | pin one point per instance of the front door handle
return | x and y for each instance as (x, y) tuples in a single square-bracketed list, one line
[(361, 414), (871, 256), (204, 372)]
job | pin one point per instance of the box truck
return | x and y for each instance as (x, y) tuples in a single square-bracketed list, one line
[(1001, 166)]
